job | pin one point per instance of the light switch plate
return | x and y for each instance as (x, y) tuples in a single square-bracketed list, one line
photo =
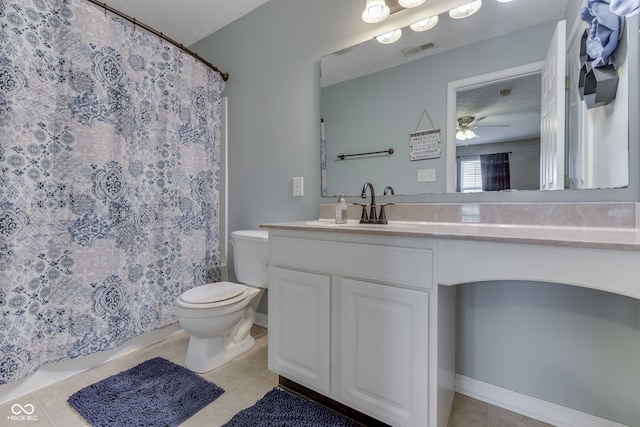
[(426, 175), (298, 186)]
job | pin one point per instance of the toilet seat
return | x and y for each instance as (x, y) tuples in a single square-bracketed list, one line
[(213, 295)]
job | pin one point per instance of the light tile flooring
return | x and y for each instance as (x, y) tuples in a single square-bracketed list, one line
[(467, 412), (245, 380)]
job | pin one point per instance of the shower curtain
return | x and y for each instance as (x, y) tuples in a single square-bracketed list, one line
[(109, 180)]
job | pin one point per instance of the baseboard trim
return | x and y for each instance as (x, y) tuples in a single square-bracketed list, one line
[(531, 407), (261, 320)]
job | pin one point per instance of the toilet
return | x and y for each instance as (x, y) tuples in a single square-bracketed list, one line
[(219, 315)]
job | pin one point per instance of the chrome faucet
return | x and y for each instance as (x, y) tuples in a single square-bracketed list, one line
[(373, 216), (388, 189)]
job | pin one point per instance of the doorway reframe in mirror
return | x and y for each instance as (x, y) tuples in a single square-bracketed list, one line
[(471, 83)]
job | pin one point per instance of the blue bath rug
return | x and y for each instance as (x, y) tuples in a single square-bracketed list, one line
[(279, 408), (154, 393)]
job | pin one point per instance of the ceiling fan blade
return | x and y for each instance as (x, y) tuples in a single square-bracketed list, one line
[(491, 126)]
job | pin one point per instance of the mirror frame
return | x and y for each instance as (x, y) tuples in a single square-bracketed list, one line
[(451, 167)]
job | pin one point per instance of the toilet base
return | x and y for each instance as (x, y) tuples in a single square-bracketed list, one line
[(234, 328), (205, 354)]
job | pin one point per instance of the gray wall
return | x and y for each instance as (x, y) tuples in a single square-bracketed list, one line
[(576, 347), (272, 55)]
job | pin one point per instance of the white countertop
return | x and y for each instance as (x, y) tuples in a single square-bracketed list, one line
[(627, 239)]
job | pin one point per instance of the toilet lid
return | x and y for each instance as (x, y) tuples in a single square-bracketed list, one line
[(212, 292)]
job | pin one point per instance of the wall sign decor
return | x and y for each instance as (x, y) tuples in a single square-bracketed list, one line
[(425, 144)]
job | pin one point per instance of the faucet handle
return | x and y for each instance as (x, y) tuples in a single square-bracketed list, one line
[(383, 215), (363, 217)]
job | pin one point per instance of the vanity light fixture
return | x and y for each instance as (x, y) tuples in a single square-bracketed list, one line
[(465, 10), (390, 37), (408, 4), (425, 24), (375, 11)]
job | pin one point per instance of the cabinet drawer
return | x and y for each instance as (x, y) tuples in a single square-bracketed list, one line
[(409, 267)]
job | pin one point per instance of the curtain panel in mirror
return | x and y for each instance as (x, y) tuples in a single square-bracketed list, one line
[(495, 172)]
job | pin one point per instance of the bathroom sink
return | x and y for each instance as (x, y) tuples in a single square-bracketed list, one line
[(320, 222), (391, 224), (355, 223)]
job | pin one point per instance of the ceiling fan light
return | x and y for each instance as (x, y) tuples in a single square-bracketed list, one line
[(390, 37), (465, 134), (375, 11), (408, 4), (425, 24), (465, 10)]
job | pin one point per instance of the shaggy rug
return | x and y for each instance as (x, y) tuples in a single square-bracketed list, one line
[(154, 393), (279, 408)]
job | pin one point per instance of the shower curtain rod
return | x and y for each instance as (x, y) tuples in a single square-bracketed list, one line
[(225, 76)]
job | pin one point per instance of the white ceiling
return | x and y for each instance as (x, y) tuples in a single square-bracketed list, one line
[(185, 21), (494, 19), (509, 117)]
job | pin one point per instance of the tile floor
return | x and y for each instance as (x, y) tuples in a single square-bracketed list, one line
[(244, 380), (469, 412)]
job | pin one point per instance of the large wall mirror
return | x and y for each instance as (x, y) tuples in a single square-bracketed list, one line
[(484, 75)]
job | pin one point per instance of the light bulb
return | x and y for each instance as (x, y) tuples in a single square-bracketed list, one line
[(390, 37), (408, 4), (425, 24), (375, 11), (465, 10)]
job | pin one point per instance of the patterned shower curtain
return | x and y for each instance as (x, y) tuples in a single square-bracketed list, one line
[(109, 180)]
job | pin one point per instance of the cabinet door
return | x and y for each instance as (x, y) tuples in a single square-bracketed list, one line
[(299, 327), (383, 351)]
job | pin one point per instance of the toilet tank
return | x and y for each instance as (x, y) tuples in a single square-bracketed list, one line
[(250, 256)]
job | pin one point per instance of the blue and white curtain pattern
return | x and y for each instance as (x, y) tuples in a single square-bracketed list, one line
[(109, 181)]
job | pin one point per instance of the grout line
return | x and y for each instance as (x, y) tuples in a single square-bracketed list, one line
[(42, 407)]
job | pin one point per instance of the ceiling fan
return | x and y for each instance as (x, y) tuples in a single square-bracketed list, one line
[(466, 124)]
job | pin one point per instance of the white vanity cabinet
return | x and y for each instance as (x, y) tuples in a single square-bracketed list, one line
[(350, 317), (299, 307), (383, 347), (366, 314)]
